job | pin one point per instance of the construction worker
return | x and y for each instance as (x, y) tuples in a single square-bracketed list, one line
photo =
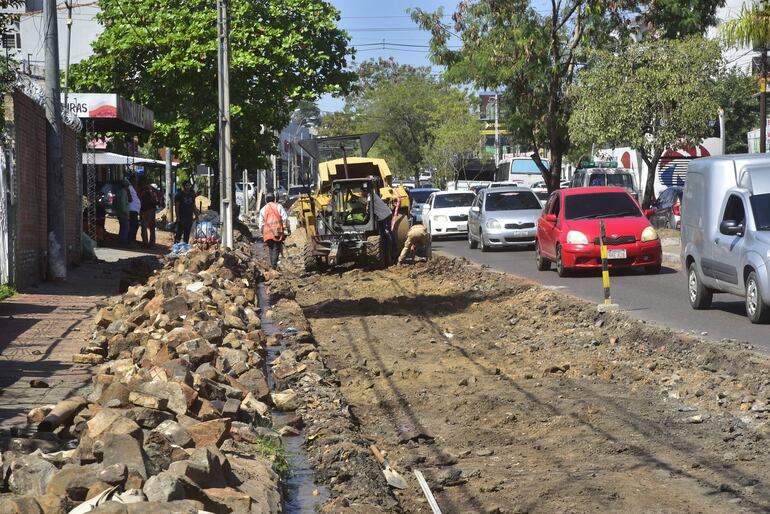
[(416, 238), (274, 225)]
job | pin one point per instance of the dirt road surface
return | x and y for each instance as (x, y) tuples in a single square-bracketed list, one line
[(512, 398)]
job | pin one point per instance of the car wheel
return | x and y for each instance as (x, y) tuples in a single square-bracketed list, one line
[(484, 246), (472, 243), (560, 269), (652, 270), (756, 309), (543, 264), (699, 295)]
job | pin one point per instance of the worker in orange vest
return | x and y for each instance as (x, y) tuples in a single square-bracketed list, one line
[(274, 225)]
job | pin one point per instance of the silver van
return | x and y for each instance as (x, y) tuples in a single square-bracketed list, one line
[(610, 177), (726, 231)]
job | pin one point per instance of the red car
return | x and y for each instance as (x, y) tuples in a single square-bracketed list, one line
[(568, 231)]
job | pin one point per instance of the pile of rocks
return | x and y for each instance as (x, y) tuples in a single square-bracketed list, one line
[(178, 405)]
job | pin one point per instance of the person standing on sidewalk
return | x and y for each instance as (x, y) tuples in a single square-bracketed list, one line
[(134, 207), (121, 211), (274, 224), (147, 213), (184, 203)]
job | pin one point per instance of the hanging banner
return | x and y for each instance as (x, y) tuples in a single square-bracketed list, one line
[(110, 112)]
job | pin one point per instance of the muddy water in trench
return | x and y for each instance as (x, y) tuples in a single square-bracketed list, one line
[(299, 488)]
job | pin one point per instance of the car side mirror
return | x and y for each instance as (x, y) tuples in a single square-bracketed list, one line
[(731, 228), (550, 218), (649, 212), (476, 208)]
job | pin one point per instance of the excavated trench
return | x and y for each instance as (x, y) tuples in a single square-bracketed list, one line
[(301, 494)]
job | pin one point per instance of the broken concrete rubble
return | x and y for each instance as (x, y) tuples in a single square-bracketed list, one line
[(180, 361)]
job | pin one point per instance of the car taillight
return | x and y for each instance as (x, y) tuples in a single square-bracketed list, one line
[(675, 209)]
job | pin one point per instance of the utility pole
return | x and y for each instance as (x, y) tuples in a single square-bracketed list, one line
[(763, 100), (497, 134), (57, 260), (225, 150), (68, 3), (169, 192)]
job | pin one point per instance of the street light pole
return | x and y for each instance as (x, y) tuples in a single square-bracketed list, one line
[(225, 149), (497, 134), (68, 3)]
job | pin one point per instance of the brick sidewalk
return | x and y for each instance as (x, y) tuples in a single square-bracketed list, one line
[(40, 330)]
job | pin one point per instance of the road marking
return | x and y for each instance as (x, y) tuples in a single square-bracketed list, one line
[(555, 288)]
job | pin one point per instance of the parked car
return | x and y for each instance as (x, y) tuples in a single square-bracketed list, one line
[(540, 190), (417, 199), (569, 227), (726, 231), (478, 188), (606, 177), (512, 183), (668, 209), (446, 213), (503, 217), (564, 184)]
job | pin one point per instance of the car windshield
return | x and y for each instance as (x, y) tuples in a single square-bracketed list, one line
[(526, 166), (419, 196), (296, 190), (623, 180), (760, 207), (600, 205), (456, 200), (511, 201)]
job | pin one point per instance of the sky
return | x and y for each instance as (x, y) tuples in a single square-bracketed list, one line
[(370, 22)]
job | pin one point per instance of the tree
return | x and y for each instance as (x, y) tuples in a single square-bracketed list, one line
[(735, 92), (532, 56), (456, 138), (674, 19), (654, 96), (7, 65), (752, 28), (163, 54), (412, 111)]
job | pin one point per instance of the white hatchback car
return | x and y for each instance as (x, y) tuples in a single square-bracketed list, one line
[(446, 213)]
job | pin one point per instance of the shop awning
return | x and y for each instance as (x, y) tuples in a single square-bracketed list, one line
[(115, 159)]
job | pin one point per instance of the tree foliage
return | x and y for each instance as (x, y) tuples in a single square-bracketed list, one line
[(531, 56), (735, 93), (653, 96), (751, 28), (163, 54), (423, 123)]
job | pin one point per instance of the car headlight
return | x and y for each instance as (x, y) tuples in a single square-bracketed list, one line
[(575, 237), (649, 234), (440, 219), (493, 224)]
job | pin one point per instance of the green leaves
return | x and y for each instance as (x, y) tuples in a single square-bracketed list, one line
[(422, 123), (163, 54), (653, 96)]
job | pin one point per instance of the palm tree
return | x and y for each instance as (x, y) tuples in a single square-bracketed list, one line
[(752, 28)]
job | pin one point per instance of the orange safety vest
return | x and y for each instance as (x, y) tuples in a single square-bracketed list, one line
[(272, 224)]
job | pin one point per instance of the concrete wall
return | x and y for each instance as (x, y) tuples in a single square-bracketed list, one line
[(26, 127)]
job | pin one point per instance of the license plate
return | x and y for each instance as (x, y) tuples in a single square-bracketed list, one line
[(518, 233), (462, 227), (616, 254)]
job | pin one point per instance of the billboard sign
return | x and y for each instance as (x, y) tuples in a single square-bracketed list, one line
[(110, 112)]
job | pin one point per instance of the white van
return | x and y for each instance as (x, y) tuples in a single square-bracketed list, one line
[(726, 231)]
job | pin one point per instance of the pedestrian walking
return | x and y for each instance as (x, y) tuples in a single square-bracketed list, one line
[(134, 207), (274, 224), (184, 203), (147, 213), (121, 211)]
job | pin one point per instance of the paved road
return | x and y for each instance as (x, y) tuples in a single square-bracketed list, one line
[(659, 298)]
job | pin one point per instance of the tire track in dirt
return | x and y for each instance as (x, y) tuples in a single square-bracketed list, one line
[(619, 430)]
